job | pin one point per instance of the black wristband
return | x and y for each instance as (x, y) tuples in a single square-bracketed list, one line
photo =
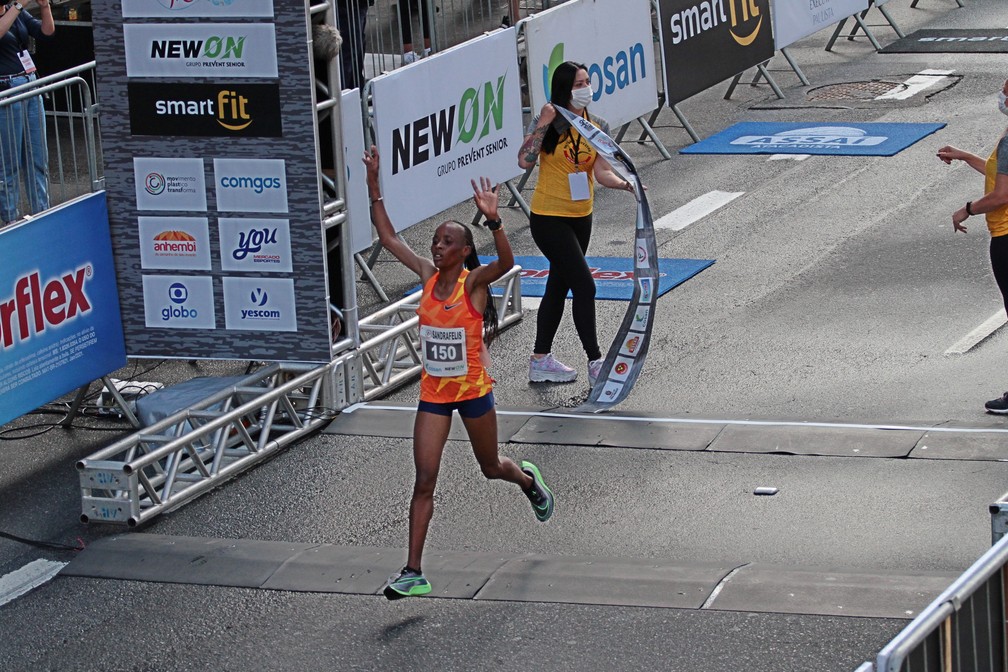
[(969, 208), (493, 224)]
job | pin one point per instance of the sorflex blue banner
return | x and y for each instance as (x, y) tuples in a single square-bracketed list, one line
[(757, 137), (59, 308)]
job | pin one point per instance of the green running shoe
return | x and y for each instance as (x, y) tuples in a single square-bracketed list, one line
[(406, 583), (539, 494)]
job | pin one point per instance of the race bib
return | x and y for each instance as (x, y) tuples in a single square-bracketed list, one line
[(444, 351)]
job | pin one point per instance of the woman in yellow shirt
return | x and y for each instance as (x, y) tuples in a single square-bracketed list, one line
[(561, 219), (994, 205)]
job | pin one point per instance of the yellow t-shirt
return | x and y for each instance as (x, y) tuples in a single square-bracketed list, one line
[(573, 153), (997, 220)]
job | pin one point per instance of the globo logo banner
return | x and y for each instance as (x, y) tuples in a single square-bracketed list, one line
[(708, 41), (612, 39)]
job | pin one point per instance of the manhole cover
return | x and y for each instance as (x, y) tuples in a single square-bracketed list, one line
[(853, 90)]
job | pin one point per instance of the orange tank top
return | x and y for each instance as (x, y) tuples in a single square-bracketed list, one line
[(451, 340)]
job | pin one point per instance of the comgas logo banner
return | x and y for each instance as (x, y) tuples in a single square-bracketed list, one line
[(196, 8), (612, 39), (441, 121), (795, 19), (59, 309), (200, 50), (708, 41)]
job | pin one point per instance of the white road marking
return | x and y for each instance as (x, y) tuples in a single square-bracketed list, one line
[(32, 575), (919, 82), (975, 337), (786, 157), (708, 421), (696, 209)]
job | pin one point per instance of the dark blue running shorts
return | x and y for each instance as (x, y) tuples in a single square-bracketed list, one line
[(470, 408)]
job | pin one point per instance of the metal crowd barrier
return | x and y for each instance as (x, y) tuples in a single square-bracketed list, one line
[(433, 24), (74, 144), (964, 628)]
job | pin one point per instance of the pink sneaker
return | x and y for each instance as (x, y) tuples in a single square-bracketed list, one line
[(550, 370), (594, 368)]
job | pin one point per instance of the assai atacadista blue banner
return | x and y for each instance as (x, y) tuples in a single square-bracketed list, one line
[(59, 307)]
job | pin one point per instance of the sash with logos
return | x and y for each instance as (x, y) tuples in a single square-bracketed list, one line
[(625, 359)]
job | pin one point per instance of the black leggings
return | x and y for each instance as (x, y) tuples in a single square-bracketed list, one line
[(999, 264), (564, 241)]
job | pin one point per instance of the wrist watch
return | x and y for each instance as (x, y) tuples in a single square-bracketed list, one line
[(17, 5), (493, 224)]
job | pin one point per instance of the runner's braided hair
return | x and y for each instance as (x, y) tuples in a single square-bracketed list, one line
[(491, 323)]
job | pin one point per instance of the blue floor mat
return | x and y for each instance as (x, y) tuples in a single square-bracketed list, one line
[(869, 139)]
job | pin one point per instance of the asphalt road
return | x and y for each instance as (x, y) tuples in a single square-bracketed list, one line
[(838, 288)]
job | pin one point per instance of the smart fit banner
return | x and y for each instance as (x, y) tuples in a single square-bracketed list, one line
[(612, 39), (707, 42), (208, 129), (795, 19), (625, 359), (444, 120), (59, 312)]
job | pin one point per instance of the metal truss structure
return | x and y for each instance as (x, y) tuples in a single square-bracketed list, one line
[(161, 467), (169, 463)]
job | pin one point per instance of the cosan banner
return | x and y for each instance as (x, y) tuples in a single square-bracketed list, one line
[(59, 308), (795, 19), (612, 39), (441, 121), (708, 41)]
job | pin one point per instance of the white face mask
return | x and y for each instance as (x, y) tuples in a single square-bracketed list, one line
[(581, 97), (1003, 103)]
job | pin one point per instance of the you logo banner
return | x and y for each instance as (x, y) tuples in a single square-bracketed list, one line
[(613, 40), (440, 123)]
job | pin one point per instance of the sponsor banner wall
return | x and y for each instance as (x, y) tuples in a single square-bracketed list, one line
[(795, 19), (614, 41), (708, 41), (214, 205), (59, 311), (440, 122)]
